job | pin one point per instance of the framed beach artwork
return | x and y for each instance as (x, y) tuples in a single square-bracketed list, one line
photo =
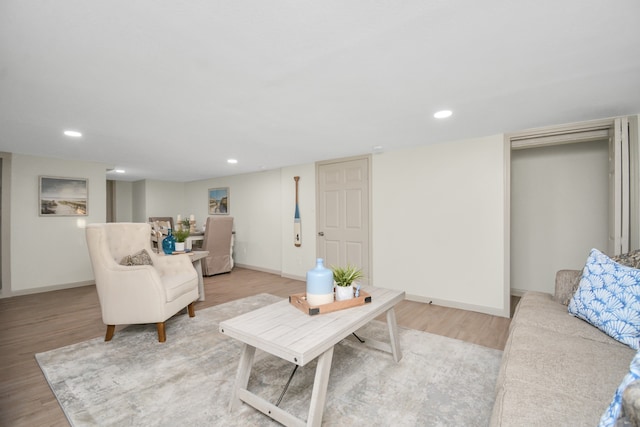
[(219, 201), (63, 196)]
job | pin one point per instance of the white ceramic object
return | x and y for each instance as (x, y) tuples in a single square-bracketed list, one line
[(315, 300), (344, 293), (179, 246)]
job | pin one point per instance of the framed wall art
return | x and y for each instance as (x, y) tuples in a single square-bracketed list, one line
[(63, 196), (219, 201)]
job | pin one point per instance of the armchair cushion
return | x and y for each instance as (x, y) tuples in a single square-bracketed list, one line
[(177, 285), (141, 257)]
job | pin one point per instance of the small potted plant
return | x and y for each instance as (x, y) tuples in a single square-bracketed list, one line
[(180, 236), (344, 278)]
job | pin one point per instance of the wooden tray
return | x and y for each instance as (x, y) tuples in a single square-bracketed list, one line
[(300, 301)]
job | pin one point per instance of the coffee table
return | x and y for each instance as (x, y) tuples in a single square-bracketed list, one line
[(284, 331)]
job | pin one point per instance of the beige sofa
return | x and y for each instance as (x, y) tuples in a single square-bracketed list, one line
[(557, 370)]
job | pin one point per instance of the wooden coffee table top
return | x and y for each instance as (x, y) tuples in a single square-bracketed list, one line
[(283, 330)]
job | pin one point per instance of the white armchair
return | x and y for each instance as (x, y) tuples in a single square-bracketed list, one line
[(138, 293)]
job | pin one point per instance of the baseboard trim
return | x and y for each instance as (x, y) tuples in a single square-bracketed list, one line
[(459, 305), (253, 267), (10, 293), (518, 292), (294, 277), (266, 270)]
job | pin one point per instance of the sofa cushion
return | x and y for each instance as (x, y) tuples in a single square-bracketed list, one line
[(141, 257), (612, 413), (608, 297), (567, 282), (540, 309), (552, 379)]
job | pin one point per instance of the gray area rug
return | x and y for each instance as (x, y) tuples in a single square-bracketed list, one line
[(136, 381)]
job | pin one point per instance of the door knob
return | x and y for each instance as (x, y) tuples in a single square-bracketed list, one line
[(320, 233)]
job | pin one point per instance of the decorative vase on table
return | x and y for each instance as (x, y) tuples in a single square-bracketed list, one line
[(344, 293), (319, 285), (169, 243), (345, 278)]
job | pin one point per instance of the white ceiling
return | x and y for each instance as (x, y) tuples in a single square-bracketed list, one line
[(170, 89)]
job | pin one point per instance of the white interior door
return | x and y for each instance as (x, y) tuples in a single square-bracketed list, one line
[(343, 213)]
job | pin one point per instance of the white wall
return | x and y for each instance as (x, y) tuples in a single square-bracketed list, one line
[(296, 261), (139, 201), (124, 201), (255, 204), (51, 251), (262, 205), (156, 198), (438, 223), (164, 198), (559, 211), (438, 218)]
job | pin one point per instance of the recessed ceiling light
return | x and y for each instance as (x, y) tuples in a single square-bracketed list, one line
[(443, 114), (119, 170), (73, 133), (232, 161)]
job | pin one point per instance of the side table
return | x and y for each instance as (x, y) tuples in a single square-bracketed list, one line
[(196, 259)]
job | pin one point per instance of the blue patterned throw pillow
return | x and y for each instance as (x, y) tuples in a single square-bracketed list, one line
[(608, 297), (612, 413)]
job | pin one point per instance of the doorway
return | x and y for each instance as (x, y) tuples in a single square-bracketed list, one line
[(570, 186), (343, 218), (559, 210)]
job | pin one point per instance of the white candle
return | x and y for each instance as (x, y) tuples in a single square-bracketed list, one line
[(192, 217), (179, 218)]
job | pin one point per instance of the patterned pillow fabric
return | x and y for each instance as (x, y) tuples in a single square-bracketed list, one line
[(612, 413), (139, 258), (630, 259), (608, 297)]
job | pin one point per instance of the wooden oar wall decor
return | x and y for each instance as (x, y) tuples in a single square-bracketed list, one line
[(297, 238)]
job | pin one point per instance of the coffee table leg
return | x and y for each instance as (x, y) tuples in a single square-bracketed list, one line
[(393, 335), (319, 393), (242, 376)]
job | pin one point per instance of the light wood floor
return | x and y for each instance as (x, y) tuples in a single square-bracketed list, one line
[(35, 323)]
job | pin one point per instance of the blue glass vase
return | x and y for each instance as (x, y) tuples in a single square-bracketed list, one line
[(169, 243), (319, 285)]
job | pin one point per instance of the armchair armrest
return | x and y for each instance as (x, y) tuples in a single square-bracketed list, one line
[(169, 265), (134, 292), (566, 284)]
